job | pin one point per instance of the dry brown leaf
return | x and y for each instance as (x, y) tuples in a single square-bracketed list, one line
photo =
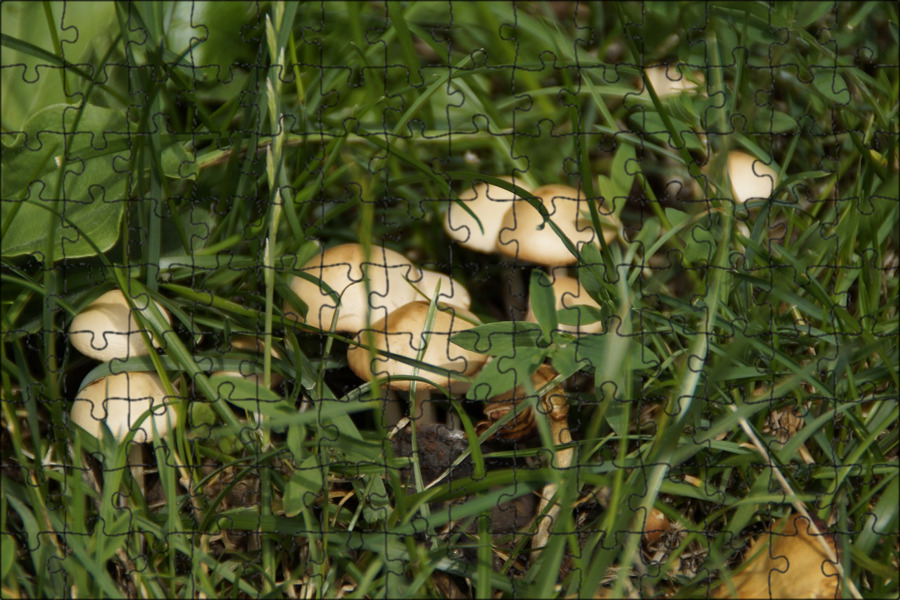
[(787, 562)]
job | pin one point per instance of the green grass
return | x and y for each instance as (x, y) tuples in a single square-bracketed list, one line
[(717, 315)]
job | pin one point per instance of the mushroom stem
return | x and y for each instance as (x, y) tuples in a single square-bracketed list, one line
[(421, 411), (556, 409), (392, 412), (559, 430), (135, 461)]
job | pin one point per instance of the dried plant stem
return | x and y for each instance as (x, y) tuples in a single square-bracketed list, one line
[(559, 429)]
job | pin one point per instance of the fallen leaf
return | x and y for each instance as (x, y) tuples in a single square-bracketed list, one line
[(787, 562)]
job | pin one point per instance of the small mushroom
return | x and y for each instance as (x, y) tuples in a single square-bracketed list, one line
[(524, 235), (571, 295), (452, 293), (750, 178), (655, 526), (490, 203), (120, 401), (344, 269), (670, 81), (556, 408), (787, 562), (403, 333), (107, 329)]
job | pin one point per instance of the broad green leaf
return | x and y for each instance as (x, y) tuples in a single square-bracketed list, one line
[(253, 398), (807, 13), (32, 78), (8, 552), (831, 85), (304, 485), (592, 274), (701, 247), (579, 315), (617, 416), (606, 186), (200, 416), (562, 355), (780, 122), (506, 372), (676, 217), (543, 301), (498, 339), (621, 174), (649, 232), (73, 161)]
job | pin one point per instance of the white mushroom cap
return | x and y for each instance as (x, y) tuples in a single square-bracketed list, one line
[(490, 203), (107, 329), (570, 294), (453, 293), (341, 268), (402, 333), (750, 177), (120, 401), (670, 80), (255, 346), (524, 236)]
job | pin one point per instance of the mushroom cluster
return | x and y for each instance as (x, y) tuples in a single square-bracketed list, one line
[(383, 299), (107, 330), (513, 227), (133, 401)]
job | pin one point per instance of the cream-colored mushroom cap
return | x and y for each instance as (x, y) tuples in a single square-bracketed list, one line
[(343, 269), (256, 346), (524, 236), (403, 333), (453, 293), (120, 401), (570, 294), (670, 80), (750, 177), (490, 203), (107, 329)]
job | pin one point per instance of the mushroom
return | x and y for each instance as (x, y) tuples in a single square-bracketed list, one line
[(656, 525), (670, 81), (787, 562), (750, 178), (107, 329), (403, 333), (453, 293), (490, 203), (524, 235), (254, 346), (570, 295), (344, 269), (556, 408), (120, 401)]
